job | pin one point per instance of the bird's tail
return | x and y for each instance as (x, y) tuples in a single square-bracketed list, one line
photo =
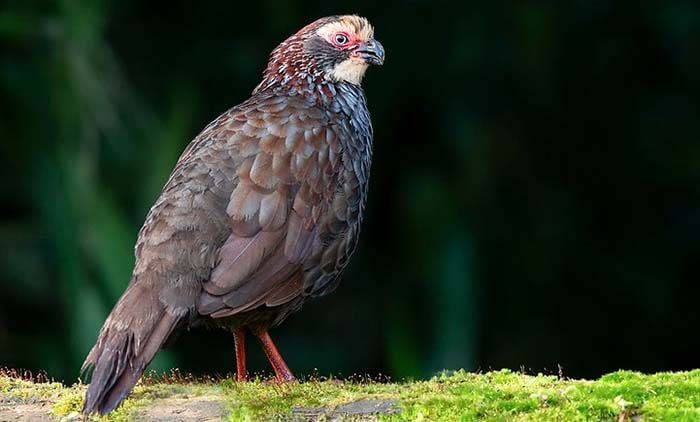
[(132, 334)]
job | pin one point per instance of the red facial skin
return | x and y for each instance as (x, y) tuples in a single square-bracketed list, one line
[(352, 41), (351, 44)]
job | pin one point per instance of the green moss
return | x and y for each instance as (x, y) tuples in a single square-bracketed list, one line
[(23, 391), (501, 395), (494, 396), (69, 401)]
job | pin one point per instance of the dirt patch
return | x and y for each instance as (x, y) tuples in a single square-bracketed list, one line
[(31, 411), (184, 409), (357, 411)]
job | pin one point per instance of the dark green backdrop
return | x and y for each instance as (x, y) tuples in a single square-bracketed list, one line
[(535, 193)]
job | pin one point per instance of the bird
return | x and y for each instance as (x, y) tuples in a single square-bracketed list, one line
[(260, 214)]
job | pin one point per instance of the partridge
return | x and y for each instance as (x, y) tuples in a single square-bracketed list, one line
[(260, 214)]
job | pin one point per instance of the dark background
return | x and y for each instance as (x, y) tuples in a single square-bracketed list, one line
[(535, 192)]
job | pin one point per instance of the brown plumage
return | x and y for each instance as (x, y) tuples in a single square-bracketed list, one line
[(261, 212)]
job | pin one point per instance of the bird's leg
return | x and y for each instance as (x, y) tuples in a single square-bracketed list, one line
[(239, 340), (284, 374)]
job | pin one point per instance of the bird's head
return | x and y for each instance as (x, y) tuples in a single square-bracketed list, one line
[(334, 48)]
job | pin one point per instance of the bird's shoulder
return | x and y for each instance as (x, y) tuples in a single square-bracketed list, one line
[(292, 206)]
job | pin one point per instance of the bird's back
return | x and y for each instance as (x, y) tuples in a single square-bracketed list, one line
[(263, 207)]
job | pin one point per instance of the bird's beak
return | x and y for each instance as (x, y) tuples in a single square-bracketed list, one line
[(371, 51)]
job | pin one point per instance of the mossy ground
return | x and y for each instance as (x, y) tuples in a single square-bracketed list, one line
[(494, 396)]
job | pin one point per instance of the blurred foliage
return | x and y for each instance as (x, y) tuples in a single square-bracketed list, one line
[(535, 194)]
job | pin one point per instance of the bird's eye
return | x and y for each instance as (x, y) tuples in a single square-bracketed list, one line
[(341, 39)]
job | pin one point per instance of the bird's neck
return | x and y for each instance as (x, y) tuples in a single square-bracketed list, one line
[(301, 84), (312, 86), (288, 69), (296, 74)]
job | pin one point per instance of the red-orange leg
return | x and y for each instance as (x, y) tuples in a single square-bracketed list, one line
[(282, 371), (239, 339)]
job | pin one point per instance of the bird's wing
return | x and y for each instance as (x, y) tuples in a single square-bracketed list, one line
[(290, 160)]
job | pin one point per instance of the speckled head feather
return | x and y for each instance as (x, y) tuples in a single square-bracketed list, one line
[(333, 48)]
